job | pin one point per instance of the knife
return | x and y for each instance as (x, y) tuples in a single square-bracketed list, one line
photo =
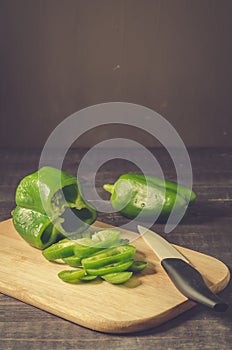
[(185, 277)]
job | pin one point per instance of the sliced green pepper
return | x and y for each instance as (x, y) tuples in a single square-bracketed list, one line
[(106, 238), (109, 256), (110, 268), (109, 262), (48, 201), (138, 266), (60, 250), (73, 261), (71, 276), (87, 278), (99, 240), (83, 251), (118, 277), (133, 194)]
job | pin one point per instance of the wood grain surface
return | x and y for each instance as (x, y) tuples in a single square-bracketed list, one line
[(205, 228), (141, 303)]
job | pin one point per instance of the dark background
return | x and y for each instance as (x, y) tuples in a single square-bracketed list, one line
[(58, 56)]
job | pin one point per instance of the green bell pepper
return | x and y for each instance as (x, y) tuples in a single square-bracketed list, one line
[(133, 194), (45, 201)]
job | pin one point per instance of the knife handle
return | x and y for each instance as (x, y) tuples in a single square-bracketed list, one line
[(190, 283)]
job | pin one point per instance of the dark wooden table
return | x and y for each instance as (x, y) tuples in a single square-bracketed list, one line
[(206, 228)]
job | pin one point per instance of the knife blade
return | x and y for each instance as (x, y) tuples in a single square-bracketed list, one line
[(185, 277)]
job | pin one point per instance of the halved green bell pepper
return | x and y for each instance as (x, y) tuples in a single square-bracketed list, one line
[(48, 203)]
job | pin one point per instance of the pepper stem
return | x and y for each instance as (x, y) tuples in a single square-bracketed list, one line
[(108, 188)]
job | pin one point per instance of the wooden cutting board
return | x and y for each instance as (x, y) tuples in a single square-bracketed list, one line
[(145, 301)]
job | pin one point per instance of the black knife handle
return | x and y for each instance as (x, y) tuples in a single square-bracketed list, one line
[(190, 283)]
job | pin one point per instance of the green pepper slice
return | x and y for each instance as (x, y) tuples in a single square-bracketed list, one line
[(138, 266), (60, 250), (109, 256), (110, 268), (118, 277), (73, 261), (106, 238), (88, 278), (99, 240), (83, 251), (71, 276)]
